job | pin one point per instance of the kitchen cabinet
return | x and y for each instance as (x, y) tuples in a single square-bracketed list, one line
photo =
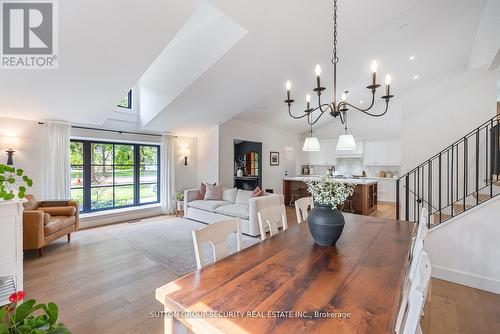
[(386, 190), (384, 152), (324, 157)]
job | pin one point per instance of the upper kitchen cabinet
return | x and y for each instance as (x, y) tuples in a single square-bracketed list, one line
[(384, 152), (324, 157)]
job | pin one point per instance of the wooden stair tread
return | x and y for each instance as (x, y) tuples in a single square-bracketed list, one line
[(444, 217), (459, 207), (482, 197)]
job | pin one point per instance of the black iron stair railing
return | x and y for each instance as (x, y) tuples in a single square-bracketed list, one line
[(461, 176)]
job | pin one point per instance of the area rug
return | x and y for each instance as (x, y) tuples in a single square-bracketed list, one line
[(169, 242)]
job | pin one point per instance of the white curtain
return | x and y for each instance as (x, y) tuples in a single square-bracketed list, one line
[(57, 164), (167, 175)]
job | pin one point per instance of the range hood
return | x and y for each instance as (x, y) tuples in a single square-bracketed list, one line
[(351, 154)]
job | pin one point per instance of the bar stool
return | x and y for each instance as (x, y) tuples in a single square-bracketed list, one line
[(294, 195), (348, 200)]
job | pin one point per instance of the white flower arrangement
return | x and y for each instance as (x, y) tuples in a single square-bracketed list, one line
[(328, 191)]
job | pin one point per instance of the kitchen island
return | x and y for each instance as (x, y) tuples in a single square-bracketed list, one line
[(364, 199)]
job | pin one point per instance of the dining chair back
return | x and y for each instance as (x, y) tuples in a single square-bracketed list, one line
[(418, 249), (417, 296), (271, 218), (302, 206), (423, 225), (216, 235)]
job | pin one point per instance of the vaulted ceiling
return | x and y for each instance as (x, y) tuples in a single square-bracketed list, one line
[(232, 57)]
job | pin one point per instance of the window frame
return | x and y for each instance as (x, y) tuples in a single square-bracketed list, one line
[(129, 100), (136, 184)]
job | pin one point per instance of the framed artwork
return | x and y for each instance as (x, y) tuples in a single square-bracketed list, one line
[(274, 158)]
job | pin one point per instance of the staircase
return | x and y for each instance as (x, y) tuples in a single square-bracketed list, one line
[(455, 180)]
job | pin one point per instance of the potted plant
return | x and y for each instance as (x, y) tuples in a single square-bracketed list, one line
[(179, 197), (30, 317), (13, 183), (325, 221)]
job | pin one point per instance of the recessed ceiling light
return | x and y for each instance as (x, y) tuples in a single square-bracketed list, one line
[(361, 102), (411, 57), (415, 77)]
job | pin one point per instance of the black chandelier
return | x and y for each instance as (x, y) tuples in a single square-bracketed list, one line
[(333, 108)]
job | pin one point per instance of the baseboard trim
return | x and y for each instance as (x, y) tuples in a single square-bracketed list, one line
[(467, 279)]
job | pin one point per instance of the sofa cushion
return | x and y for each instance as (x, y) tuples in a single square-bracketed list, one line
[(60, 210), (234, 210), (207, 205), (46, 218), (243, 196), (229, 195), (58, 223), (213, 193)]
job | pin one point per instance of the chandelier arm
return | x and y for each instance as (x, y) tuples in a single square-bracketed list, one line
[(295, 117), (319, 116), (382, 114), (347, 104)]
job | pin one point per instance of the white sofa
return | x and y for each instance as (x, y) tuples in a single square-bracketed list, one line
[(242, 206)]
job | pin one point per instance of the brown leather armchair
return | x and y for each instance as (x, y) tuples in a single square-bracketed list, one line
[(47, 221)]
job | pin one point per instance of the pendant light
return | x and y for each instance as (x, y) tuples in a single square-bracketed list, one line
[(311, 143), (346, 141)]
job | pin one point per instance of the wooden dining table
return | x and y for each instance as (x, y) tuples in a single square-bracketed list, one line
[(288, 284)]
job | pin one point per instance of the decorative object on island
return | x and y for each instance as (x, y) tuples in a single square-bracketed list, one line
[(274, 158), (10, 144), (326, 222), (30, 317), (333, 108), (13, 180)]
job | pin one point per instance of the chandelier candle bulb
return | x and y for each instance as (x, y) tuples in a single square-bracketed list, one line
[(374, 67), (388, 84), (317, 71), (288, 88), (308, 100), (344, 97)]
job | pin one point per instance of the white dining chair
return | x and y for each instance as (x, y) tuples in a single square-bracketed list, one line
[(423, 228), (216, 235), (302, 206), (418, 249), (417, 296), (271, 219)]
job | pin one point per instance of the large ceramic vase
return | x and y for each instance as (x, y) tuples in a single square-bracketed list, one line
[(326, 224)]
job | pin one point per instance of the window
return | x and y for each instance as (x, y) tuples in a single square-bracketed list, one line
[(126, 102), (114, 175)]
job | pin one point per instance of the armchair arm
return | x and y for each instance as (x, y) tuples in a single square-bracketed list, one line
[(33, 236), (76, 205), (189, 196)]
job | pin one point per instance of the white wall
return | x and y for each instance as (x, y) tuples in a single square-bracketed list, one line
[(271, 139), (208, 156), (186, 177), (465, 250), (443, 111), (30, 153)]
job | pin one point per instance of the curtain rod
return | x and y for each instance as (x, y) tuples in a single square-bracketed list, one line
[(115, 131)]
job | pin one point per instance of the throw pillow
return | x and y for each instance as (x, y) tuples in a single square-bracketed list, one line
[(203, 190), (213, 192), (257, 192), (229, 195)]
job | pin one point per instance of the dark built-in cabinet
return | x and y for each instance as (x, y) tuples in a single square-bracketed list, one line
[(247, 159)]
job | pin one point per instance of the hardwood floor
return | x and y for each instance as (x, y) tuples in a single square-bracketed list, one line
[(103, 285)]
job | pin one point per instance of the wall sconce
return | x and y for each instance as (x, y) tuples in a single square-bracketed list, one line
[(186, 152), (10, 144)]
